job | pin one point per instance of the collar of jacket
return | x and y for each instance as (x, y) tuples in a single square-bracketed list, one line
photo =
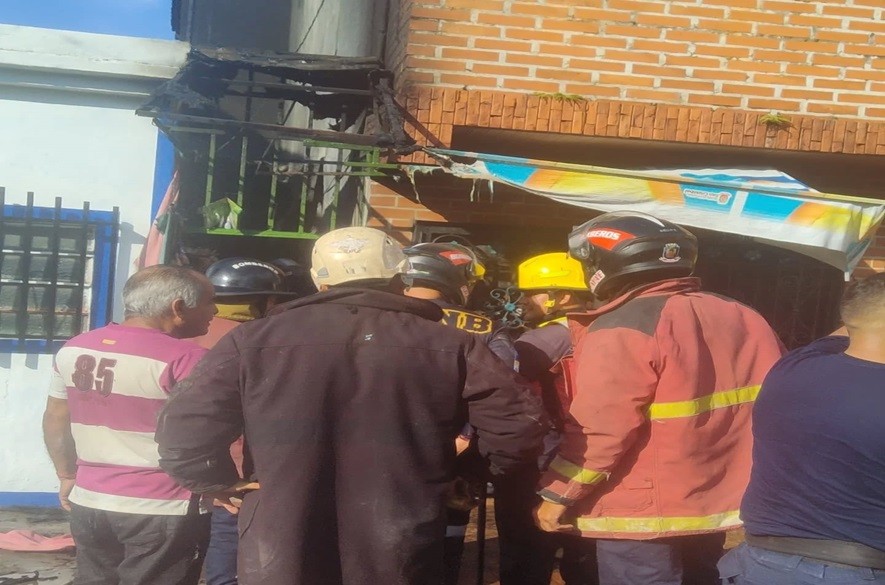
[(446, 305), (376, 299), (578, 322)]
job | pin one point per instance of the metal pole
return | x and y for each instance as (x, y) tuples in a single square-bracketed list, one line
[(51, 291), (210, 168), (306, 177), (83, 254), (27, 244), (333, 218), (241, 184)]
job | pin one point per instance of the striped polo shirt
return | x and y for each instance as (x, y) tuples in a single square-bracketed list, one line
[(116, 379)]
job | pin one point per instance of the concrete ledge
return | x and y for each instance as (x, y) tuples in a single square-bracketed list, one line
[(39, 49)]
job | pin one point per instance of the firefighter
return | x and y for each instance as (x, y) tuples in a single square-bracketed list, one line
[(656, 449), (446, 274), (551, 285), (245, 289), (351, 400)]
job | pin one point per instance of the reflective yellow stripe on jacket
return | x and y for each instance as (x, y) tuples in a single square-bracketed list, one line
[(576, 472), (686, 408), (660, 525)]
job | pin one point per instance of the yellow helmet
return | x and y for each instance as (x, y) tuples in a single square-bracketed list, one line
[(554, 271)]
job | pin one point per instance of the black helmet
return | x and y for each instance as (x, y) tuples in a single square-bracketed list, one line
[(452, 269), (626, 246), (245, 276), (296, 278)]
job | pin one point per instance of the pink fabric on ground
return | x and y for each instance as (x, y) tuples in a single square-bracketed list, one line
[(27, 541)]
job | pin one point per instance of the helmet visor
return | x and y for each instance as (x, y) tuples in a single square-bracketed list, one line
[(578, 245)]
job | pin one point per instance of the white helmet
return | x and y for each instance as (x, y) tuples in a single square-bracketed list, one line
[(355, 254)]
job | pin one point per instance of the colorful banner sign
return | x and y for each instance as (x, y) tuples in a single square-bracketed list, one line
[(767, 205)]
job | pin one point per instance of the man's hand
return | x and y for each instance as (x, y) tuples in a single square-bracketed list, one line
[(64, 491), (461, 445), (548, 517), (232, 498)]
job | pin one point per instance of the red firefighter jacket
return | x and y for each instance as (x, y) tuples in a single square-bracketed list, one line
[(658, 440)]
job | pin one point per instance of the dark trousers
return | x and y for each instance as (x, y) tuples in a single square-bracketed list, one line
[(137, 549), (527, 553), (748, 565), (682, 560), (453, 549), (578, 565), (221, 556)]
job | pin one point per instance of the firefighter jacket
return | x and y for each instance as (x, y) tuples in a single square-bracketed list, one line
[(658, 439), (351, 400)]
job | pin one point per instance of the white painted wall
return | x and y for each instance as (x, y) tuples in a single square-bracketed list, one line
[(69, 130)]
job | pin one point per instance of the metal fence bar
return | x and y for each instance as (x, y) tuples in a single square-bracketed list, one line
[(51, 296), (112, 263), (21, 320), (306, 180), (333, 216), (2, 221), (241, 179), (210, 167), (81, 281)]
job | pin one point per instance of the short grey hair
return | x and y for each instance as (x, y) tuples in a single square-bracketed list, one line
[(151, 291)]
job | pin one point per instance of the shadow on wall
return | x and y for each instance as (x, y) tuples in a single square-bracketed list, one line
[(126, 256)]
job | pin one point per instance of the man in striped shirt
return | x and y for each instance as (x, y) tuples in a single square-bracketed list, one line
[(131, 522)]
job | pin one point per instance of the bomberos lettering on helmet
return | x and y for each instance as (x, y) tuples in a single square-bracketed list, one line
[(239, 265), (626, 247)]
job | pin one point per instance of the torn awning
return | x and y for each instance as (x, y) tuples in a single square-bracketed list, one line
[(766, 205)]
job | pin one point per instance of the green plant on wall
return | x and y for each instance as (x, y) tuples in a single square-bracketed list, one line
[(775, 120), (571, 98)]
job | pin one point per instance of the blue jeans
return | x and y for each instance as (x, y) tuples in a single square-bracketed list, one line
[(221, 558), (678, 560), (748, 565)]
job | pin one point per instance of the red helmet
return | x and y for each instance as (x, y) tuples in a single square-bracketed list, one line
[(622, 247)]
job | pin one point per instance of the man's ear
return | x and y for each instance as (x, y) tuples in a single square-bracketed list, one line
[(178, 308)]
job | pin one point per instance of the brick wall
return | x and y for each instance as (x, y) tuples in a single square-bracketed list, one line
[(792, 56), (437, 110), (701, 71)]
